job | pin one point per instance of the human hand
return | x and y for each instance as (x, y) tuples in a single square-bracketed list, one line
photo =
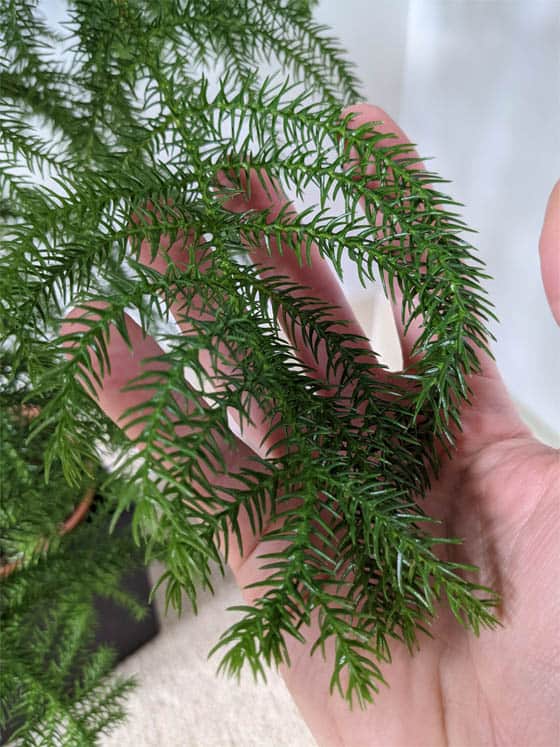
[(500, 492)]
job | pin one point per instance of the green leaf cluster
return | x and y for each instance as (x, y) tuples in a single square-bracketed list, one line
[(56, 688), (146, 103)]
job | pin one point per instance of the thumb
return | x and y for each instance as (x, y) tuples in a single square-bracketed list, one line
[(549, 250)]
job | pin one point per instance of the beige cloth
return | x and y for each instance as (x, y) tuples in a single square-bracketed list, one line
[(180, 701)]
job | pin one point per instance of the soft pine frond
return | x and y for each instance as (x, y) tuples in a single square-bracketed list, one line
[(138, 104)]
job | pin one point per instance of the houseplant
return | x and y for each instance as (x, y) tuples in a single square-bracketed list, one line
[(67, 586), (133, 151)]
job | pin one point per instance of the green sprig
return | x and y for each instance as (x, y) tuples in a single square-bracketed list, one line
[(135, 119)]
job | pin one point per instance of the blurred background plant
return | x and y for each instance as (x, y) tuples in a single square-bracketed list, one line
[(56, 558)]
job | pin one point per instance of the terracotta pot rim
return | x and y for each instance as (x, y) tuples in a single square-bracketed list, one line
[(75, 518)]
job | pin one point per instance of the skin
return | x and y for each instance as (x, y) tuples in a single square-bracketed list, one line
[(500, 492)]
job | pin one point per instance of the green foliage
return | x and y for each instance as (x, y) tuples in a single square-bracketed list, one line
[(32, 507), (55, 689), (129, 117)]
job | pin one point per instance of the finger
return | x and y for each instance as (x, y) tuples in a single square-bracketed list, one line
[(125, 361), (128, 361), (549, 250), (367, 114), (187, 250), (409, 331), (310, 272), (184, 251), (493, 414)]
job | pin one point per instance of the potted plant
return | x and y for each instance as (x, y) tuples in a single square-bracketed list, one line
[(140, 206), (74, 596)]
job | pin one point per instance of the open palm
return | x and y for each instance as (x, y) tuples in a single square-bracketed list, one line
[(500, 492)]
